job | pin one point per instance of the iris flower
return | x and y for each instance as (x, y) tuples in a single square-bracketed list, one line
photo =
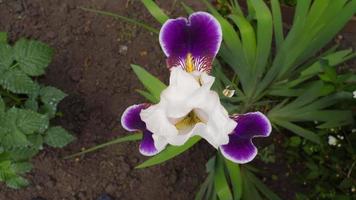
[(188, 106)]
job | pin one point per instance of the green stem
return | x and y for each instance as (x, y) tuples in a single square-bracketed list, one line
[(128, 138), (129, 20)]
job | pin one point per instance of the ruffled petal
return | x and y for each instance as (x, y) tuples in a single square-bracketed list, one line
[(240, 148), (197, 38), (131, 120), (147, 145)]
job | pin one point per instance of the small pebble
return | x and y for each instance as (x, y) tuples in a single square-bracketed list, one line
[(38, 198), (104, 197), (123, 49)]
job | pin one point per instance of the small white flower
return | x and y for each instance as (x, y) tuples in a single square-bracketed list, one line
[(332, 140), (354, 94), (340, 137)]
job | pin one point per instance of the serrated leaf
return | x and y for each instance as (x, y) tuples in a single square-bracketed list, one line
[(36, 141), (57, 137), (13, 136), (2, 106), (6, 56), (29, 121), (51, 95), (33, 56), (17, 82), (22, 153), (14, 139), (17, 182), (22, 167)]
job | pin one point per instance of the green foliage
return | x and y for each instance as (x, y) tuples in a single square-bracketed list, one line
[(26, 108), (285, 80), (329, 167), (152, 84), (169, 153), (304, 88)]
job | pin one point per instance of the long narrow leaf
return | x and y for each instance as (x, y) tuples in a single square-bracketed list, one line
[(221, 185), (127, 19), (155, 11), (128, 138), (152, 84), (277, 23), (169, 153), (307, 134), (235, 178)]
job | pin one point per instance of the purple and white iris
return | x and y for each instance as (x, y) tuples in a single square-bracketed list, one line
[(188, 106)]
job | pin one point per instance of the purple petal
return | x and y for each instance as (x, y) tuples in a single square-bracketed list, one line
[(147, 146), (240, 148), (200, 36), (131, 120)]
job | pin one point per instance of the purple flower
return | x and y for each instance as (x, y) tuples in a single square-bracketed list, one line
[(191, 43), (188, 106)]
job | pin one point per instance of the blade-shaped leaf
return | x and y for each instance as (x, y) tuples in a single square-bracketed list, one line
[(235, 178), (155, 11), (220, 182), (169, 153), (152, 84), (307, 134)]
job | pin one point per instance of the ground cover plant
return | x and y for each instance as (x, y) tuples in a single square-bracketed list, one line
[(26, 108), (292, 80)]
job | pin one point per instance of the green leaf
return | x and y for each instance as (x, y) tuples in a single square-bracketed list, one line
[(249, 189), (307, 134), (187, 9), (2, 106), (13, 136), (22, 167), (169, 153), (235, 178), (3, 37), (277, 22), (32, 56), (264, 35), (128, 138), (17, 182), (155, 11), (148, 96), (261, 186), (220, 182), (17, 82), (152, 84), (22, 153), (36, 141), (6, 57), (204, 187), (29, 121), (57, 137), (51, 95)]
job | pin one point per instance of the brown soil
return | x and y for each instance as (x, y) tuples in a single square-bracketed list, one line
[(92, 65)]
